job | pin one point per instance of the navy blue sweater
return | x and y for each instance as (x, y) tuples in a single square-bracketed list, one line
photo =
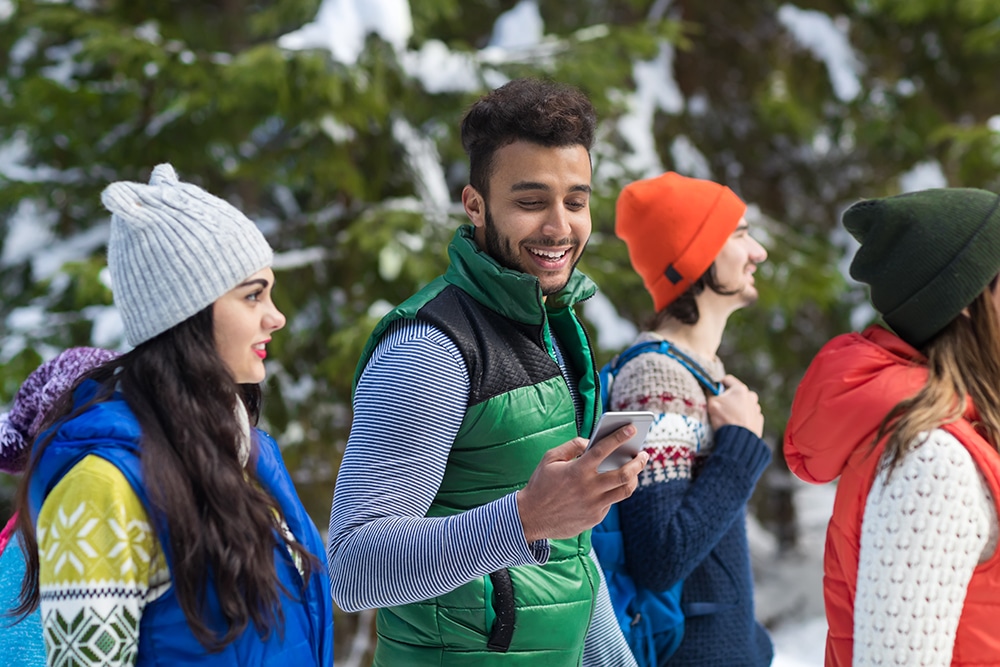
[(694, 529)]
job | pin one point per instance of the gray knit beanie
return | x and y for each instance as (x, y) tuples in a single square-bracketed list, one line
[(175, 249), (926, 255)]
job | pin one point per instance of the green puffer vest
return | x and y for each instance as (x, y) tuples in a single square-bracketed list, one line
[(519, 407)]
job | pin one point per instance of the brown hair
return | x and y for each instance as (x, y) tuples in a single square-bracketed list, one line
[(542, 112), (685, 307), (219, 518), (962, 361)]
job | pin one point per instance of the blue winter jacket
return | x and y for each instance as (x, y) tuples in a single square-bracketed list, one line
[(110, 430)]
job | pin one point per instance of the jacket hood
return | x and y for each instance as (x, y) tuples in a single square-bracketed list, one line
[(107, 424), (849, 388)]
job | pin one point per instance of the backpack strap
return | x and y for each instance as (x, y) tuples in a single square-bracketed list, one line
[(610, 370), (607, 375)]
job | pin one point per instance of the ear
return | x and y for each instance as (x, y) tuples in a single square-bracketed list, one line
[(474, 205)]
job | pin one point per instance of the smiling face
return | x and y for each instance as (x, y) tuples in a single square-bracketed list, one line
[(537, 219), (736, 263), (244, 319)]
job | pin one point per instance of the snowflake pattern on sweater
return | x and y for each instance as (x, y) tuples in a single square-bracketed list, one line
[(100, 565), (680, 436), (686, 520)]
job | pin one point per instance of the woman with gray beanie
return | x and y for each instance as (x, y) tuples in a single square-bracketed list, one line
[(161, 526), (908, 416)]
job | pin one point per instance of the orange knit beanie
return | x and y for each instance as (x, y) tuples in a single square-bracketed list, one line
[(674, 227)]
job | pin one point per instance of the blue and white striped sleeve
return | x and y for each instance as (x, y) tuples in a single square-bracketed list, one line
[(383, 550), (605, 645)]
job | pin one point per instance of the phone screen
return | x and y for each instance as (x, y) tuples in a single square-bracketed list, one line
[(611, 422)]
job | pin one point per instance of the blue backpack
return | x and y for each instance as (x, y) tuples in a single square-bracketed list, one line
[(653, 623)]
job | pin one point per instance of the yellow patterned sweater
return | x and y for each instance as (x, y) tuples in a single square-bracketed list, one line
[(100, 565)]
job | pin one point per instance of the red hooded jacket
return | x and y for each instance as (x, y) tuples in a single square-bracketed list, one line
[(849, 388)]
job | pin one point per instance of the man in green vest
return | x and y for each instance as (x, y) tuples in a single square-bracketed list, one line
[(464, 502)]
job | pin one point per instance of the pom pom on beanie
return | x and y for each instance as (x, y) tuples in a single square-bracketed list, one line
[(36, 396)]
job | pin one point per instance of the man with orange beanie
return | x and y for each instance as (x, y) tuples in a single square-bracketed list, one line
[(689, 241)]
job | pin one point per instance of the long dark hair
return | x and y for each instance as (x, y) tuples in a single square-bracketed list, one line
[(962, 361), (219, 518)]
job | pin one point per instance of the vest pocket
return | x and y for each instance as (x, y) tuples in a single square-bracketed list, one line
[(502, 608)]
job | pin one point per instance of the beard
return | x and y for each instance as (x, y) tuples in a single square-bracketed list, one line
[(501, 249)]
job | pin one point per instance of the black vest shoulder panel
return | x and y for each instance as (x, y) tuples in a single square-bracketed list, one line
[(501, 354)]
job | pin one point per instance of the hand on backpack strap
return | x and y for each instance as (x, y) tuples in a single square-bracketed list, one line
[(736, 406)]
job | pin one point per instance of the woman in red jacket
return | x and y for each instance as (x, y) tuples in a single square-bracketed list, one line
[(909, 417)]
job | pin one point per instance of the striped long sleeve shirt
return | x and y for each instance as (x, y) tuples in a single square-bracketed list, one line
[(408, 407)]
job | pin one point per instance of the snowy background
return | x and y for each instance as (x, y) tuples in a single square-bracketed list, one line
[(789, 585)]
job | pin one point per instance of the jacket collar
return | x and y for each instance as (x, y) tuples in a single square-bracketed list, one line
[(514, 294)]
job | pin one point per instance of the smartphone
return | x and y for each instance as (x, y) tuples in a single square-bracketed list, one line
[(611, 422)]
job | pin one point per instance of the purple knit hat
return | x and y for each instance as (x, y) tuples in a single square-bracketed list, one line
[(20, 426)]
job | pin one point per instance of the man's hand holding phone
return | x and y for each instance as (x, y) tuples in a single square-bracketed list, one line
[(627, 450), (572, 488)]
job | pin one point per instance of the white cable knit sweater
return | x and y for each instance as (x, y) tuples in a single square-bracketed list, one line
[(924, 532)]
